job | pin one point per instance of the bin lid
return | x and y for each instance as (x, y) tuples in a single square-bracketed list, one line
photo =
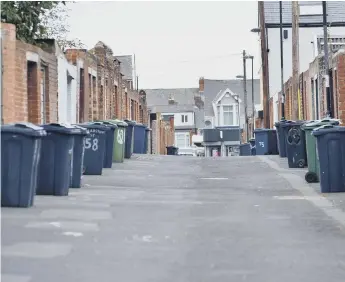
[(119, 123), (62, 128), (279, 123), (317, 123), (264, 130), (24, 128), (130, 122), (95, 125), (292, 123), (80, 130), (109, 123), (328, 128), (148, 129), (139, 125), (83, 131)]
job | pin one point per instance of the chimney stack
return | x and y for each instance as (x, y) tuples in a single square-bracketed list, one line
[(201, 84)]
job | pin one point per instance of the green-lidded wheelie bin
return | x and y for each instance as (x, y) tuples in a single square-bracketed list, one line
[(312, 176), (119, 140)]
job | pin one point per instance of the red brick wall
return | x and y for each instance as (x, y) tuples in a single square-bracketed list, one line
[(22, 102), (339, 90)]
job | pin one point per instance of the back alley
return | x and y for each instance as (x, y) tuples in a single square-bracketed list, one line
[(180, 219)]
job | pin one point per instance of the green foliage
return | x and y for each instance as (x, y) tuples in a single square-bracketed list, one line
[(39, 20)]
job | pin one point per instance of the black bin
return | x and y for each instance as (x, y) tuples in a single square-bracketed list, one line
[(129, 144), (281, 137), (245, 149), (295, 144), (78, 157), (56, 159), (330, 142), (172, 150), (94, 147), (252, 146), (109, 143), (20, 154)]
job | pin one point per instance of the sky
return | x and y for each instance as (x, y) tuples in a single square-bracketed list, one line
[(174, 43)]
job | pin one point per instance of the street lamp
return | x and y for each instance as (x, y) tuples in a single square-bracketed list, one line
[(255, 30)]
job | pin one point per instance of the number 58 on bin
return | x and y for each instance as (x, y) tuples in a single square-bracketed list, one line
[(91, 143)]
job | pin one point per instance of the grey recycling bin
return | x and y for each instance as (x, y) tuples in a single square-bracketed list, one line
[(56, 159), (281, 137), (330, 142), (266, 141), (245, 149), (20, 154), (109, 143), (78, 157), (172, 150), (94, 148)]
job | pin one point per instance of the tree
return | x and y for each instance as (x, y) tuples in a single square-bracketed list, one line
[(55, 25), (39, 20)]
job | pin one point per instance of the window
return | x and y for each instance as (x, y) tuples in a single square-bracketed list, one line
[(182, 139), (184, 118), (228, 115)]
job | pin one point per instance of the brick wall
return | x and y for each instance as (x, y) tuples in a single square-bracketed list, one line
[(339, 86), (24, 65)]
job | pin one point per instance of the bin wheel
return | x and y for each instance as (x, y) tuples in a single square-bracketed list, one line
[(311, 177), (301, 163)]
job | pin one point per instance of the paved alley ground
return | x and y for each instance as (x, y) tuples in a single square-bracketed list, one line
[(180, 219)]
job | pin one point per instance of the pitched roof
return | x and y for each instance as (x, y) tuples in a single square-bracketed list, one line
[(213, 87), (126, 66), (160, 97)]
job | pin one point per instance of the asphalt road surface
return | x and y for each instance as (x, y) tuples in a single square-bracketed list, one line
[(180, 219)]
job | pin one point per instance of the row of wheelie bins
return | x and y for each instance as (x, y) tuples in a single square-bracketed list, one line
[(318, 145), (49, 159)]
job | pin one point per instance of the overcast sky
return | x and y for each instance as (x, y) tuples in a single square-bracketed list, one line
[(174, 42)]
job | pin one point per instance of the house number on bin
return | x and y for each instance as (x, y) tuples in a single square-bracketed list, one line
[(262, 144), (91, 143)]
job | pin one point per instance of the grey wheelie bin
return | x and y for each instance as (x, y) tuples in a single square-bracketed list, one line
[(139, 138), (172, 150), (281, 137), (94, 146), (129, 144), (266, 141), (78, 157), (56, 159), (109, 143), (330, 142), (245, 149), (20, 154), (295, 144), (312, 176)]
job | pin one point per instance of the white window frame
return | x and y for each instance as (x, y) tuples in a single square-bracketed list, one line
[(184, 118), (235, 112), (186, 136)]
